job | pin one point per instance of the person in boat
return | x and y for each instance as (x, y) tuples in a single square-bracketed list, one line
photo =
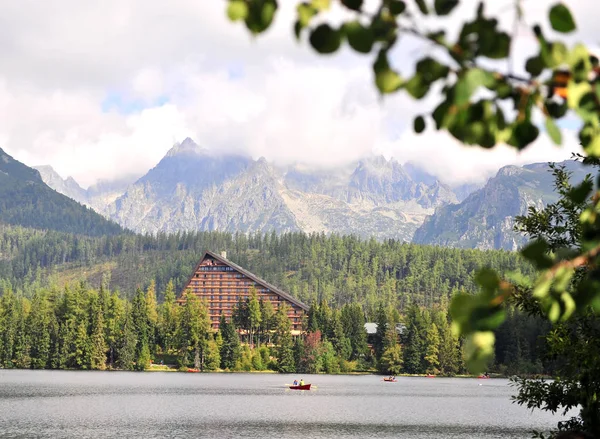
[(295, 382), (301, 382)]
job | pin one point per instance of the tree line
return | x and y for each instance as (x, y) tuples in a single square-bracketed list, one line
[(79, 327), (311, 267)]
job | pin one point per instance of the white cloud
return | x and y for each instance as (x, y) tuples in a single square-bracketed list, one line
[(269, 96)]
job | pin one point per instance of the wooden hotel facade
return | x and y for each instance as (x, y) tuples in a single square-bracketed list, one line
[(221, 283)]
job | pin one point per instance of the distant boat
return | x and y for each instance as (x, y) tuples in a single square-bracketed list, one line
[(430, 376), (302, 387), (193, 370), (390, 380), (483, 377)]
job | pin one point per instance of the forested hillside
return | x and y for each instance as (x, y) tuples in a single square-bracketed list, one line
[(27, 201), (310, 267)]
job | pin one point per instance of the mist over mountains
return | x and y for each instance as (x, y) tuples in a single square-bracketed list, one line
[(192, 188)]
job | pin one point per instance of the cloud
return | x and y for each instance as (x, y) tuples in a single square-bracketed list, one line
[(103, 90)]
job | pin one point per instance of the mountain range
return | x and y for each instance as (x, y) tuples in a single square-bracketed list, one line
[(193, 189), (27, 201)]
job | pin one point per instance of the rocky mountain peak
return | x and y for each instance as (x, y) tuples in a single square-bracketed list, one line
[(187, 147)]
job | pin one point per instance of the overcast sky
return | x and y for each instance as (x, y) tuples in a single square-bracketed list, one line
[(100, 90)]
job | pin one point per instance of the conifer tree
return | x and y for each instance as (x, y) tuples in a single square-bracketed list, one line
[(230, 348), (168, 319), (126, 350), (432, 349), (97, 343), (254, 315), (283, 340), (39, 331)]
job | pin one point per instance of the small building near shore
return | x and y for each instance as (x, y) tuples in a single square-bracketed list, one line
[(221, 284)]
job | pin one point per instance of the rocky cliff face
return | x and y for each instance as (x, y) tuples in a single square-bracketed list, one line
[(68, 187), (191, 189), (485, 219)]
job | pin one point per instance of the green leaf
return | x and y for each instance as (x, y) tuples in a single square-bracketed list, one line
[(536, 252), (556, 110), (361, 39), (260, 15), (534, 66), (554, 311), (479, 348), (569, 305), (524, 133), (486, 318), (431, 70), (321, 5), (422, 6), (305, 13), (575, 91), (444, 7), (542, 286), (396, 7), (553, 131), (488, 279), (561, 19), (386, 79), (355, 5), (467, 84), (554, 54), (416, 87), (580, 193), (562, 278), (237, 10), (419, 124), (325, 39)]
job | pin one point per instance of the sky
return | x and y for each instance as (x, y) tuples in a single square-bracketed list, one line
[(101, 90)]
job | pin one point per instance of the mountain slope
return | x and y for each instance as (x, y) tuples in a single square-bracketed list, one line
[(192, 189), (27, 201), (485, 219)]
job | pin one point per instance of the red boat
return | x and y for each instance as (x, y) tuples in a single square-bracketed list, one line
[(303, 387), (483, 377), (193, 370), (430, 376), (390, 380)]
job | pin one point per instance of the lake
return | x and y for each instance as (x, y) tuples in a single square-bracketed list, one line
[(67, 404)]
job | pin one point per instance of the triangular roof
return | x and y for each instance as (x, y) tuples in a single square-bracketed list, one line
[(252, 276)]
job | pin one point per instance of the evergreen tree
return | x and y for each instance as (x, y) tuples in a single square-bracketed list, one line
[(168, 319), (230, 349), (97, 343), (353, 321), (391, 360), (141, 323), (254, 315), (414, 341), (39, 331), (194, 327), (283, 340), (114, 328), (127, 344), (432, 350), (152, 310), (382, 327), (268, 319)]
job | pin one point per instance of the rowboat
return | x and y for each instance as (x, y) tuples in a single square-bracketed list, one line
[(303, 387), (483, 377), (390, 380), (430, 375), (193, 370)]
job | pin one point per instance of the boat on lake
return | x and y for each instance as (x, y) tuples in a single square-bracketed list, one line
[(302, 387), (390, 380), (193, 370)]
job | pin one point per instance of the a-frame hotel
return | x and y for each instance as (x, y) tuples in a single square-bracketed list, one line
[(221, 283)]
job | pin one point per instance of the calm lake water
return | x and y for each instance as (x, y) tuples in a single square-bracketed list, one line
[(64, 404)]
